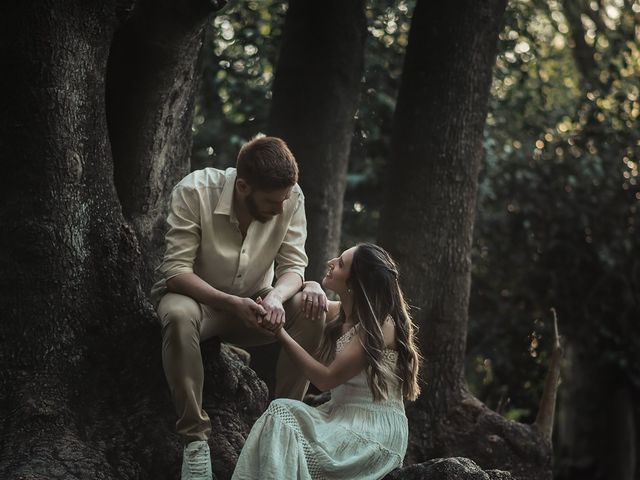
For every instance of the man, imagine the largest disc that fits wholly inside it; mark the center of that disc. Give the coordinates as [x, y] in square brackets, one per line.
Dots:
[226, 231]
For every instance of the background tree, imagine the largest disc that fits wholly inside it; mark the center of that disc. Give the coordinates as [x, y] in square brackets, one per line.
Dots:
[82, 393]
[315, 97]
[427, 224]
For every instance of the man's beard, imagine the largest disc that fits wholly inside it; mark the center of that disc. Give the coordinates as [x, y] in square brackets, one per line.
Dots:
[252, 208]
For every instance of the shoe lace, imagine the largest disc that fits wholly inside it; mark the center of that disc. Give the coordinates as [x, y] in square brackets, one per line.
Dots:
[197, 462]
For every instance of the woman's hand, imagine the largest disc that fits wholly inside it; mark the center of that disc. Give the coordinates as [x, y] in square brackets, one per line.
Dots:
[270, 327]
[314, 300]
[275, 315]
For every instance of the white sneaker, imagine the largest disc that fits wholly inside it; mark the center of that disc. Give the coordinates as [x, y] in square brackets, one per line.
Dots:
[196, 461]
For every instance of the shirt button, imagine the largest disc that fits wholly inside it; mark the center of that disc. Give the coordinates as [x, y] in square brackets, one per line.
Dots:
[244, 250]
[239, 276]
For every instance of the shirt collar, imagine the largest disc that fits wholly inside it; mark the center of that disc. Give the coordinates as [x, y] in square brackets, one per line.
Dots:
[225, 202]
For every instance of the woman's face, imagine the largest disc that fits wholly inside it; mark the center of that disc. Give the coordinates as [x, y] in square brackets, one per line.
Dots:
[339, 270]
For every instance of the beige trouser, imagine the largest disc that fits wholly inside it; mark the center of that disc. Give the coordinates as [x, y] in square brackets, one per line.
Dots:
[186, 323]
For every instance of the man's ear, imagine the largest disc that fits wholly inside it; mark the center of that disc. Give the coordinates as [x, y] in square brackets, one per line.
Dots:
[243, 187]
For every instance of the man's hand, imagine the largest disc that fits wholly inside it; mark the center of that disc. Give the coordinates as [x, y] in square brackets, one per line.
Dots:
[314, 300]
[275, 316]
[249, 311]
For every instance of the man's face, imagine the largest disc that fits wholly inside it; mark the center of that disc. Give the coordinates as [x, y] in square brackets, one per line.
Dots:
[264, 205]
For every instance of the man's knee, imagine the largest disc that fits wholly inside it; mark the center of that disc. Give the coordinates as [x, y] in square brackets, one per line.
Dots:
[295, 309]
[306, 331]
[294, 305]
[316, 328]
[179, 314]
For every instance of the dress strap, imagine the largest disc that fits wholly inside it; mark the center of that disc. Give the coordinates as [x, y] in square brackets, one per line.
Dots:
[345, 338]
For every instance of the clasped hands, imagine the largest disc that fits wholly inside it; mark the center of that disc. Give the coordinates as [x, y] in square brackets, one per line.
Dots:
[274, 317]
[268, 313]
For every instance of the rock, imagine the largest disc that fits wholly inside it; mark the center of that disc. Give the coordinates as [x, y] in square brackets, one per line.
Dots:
[234, 397]
[113, 417]
[317, 400]
[455, 468]
[499, 475]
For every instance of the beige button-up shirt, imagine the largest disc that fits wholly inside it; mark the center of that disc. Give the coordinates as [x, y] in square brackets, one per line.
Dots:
[204, 237]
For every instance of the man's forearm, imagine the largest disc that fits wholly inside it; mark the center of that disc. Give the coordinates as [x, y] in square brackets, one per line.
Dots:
[191, 285]
[287, 286]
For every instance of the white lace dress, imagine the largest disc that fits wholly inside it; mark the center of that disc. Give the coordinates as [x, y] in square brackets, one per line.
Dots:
[349, 437]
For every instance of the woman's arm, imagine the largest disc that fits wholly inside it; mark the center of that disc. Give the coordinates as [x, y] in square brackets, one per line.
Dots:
[348, 363]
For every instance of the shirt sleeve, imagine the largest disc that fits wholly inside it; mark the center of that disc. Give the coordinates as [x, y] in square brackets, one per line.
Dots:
[291, 256]
[183, 237]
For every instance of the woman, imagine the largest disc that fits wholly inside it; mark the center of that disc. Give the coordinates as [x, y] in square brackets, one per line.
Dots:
[369, 362]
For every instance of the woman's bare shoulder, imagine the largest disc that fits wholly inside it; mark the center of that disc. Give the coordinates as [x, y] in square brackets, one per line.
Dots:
[389, 332]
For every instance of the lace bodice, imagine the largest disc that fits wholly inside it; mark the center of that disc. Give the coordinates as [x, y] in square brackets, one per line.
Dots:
[356, 390]
[388, 354]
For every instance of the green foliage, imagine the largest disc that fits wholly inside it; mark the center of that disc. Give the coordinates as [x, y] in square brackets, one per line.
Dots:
[559, 204]
[239, 59]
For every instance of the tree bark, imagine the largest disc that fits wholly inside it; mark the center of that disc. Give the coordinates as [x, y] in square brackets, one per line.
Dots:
[596, 434]
[315, 97]
[427, 225]
[545, 418]
[82, 393]
[152, 76]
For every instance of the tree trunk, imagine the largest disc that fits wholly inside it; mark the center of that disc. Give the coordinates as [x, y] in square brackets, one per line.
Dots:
[596, 434]
[82, 393]
[315, 97]
[427, 225]
[152, 77]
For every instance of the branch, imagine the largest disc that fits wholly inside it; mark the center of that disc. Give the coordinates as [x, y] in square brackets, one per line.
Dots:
[596, 17]
[547, 408]
[583, 53]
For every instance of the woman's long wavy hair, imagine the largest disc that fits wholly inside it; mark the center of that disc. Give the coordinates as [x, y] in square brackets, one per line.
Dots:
[376, 296]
